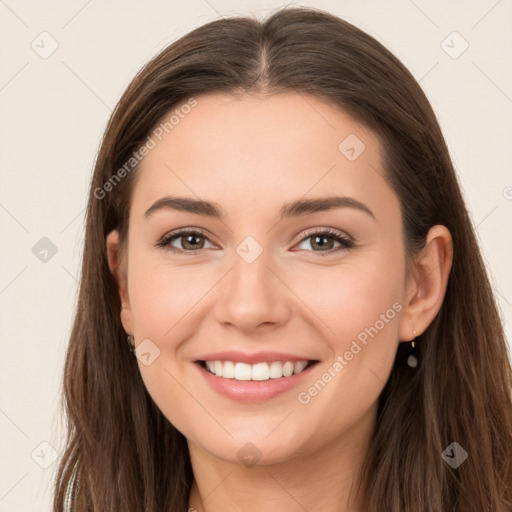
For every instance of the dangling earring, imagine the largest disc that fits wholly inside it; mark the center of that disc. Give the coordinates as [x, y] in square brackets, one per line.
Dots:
[412, 360]
[131, 341]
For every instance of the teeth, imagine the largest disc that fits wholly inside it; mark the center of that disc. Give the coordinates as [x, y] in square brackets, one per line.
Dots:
[242, 371]
[288, 369]
[299, 366]
[218, 368]
[258, 371]
[228, 370]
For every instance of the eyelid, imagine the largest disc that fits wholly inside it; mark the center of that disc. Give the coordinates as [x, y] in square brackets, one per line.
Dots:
[165, 240]
[325, 230]
[346, 241]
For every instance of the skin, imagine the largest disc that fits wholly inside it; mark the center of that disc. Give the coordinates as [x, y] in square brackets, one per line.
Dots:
[250, 155]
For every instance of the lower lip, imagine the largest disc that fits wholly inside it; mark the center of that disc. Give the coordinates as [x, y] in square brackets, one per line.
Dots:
[250, 390]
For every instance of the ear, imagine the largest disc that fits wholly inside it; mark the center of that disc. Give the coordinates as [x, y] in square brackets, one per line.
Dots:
[426, 283]
[118, 266]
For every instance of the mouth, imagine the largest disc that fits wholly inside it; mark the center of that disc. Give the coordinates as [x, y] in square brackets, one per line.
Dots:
[254, 383]
[255, 372]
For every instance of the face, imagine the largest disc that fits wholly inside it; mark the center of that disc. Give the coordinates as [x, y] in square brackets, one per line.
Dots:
[265, 282]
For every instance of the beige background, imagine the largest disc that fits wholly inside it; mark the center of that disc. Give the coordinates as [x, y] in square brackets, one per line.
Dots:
[54, 108]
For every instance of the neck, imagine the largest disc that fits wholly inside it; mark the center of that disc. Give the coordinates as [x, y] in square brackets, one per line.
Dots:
[325, 479]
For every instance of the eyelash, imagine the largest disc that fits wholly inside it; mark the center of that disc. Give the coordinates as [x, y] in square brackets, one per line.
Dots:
[346, 243]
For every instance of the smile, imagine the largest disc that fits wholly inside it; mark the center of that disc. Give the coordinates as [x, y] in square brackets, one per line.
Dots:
[256, 372]
[254, 383]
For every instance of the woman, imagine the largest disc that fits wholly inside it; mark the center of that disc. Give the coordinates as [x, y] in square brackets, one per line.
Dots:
[276, 229]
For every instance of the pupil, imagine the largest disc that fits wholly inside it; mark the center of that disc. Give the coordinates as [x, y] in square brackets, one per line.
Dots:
[321, 238]
[190, 239]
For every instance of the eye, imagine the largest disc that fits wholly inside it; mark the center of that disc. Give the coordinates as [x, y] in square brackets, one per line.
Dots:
[188, 239]
[320, 239]
[193, 241]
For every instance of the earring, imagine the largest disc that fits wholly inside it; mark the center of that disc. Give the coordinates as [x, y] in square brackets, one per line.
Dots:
[412, 360]
[131, 341]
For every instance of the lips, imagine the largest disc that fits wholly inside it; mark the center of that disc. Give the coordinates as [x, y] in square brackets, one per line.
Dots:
[253, 377]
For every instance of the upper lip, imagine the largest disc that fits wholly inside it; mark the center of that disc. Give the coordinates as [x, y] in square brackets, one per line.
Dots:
[255, 357]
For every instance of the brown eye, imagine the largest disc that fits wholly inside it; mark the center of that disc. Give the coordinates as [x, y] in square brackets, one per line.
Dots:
[186, 240]
[323, 241]
[191, 242]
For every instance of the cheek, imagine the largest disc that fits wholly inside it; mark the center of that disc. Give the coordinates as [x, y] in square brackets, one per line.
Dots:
[162, 301]
[351, 298]
[162, 296]
[358, 309]
[358, 315]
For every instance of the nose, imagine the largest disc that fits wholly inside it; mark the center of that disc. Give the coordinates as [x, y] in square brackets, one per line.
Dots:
[253, 295]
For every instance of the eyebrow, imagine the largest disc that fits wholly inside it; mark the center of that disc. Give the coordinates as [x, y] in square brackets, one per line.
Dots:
[296, 208]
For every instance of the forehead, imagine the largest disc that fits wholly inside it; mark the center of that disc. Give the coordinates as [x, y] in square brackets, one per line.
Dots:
[257, 150]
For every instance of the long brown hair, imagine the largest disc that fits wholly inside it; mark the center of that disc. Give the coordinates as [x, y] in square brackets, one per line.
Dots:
[122, 454]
